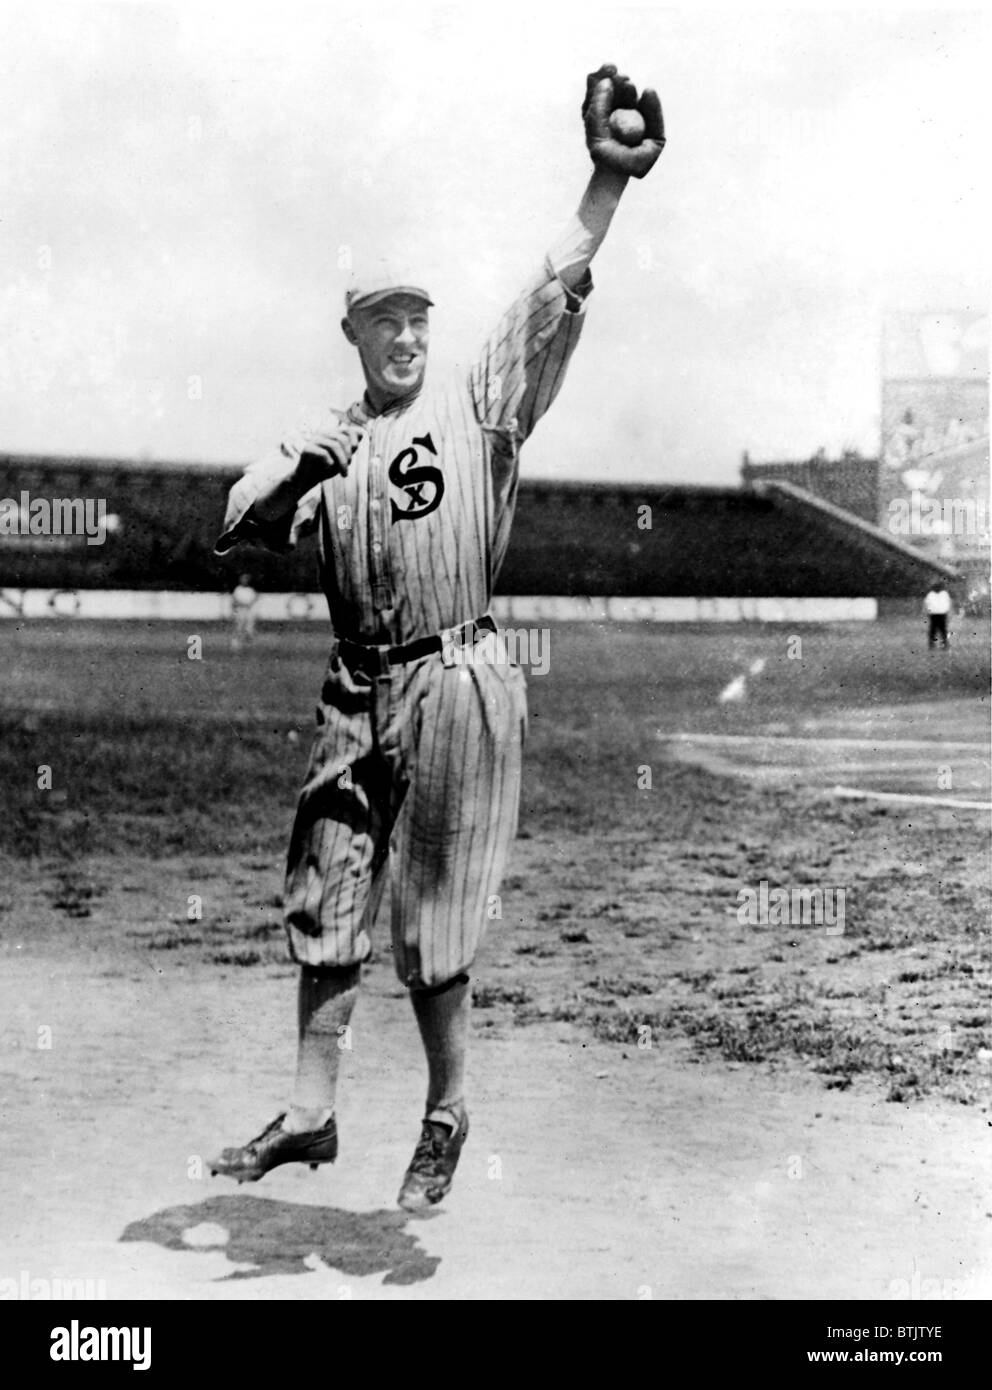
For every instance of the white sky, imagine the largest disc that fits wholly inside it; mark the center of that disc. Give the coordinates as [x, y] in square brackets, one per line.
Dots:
[175, 185]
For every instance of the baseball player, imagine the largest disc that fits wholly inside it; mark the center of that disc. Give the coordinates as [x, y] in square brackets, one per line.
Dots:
[414, 774]
[244, 601]
[937, 605]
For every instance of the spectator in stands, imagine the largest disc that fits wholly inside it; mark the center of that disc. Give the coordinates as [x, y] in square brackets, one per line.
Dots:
[937, 607]
[244, 601]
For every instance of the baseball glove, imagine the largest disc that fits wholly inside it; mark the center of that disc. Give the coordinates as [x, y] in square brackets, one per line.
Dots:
[608, 91]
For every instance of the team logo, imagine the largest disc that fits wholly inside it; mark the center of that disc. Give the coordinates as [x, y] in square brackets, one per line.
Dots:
[422, 483]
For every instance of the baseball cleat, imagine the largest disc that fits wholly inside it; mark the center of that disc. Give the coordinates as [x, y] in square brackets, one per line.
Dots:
[275, 1146]
[433, 1165]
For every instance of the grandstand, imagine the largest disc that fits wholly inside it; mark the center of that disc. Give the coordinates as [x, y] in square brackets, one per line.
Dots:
[850, 482]
[956, 479]
[770, 539]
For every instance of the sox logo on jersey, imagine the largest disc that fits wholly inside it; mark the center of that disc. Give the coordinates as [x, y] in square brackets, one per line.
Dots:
[405, 473]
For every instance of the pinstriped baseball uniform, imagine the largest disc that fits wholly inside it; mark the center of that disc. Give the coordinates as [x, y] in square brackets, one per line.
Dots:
[418, 773]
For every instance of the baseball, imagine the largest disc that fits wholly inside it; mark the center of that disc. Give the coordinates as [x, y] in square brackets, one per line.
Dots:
[627, 126]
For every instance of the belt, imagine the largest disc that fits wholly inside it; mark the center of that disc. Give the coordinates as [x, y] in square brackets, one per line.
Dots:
[376, 661]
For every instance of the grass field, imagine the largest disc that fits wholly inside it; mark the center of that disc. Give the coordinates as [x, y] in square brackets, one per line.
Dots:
[620, 912]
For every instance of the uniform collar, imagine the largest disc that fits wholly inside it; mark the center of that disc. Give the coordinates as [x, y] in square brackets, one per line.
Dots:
[361, 411]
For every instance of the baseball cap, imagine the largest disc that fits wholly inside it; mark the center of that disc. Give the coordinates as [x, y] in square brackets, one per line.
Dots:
[379, 281]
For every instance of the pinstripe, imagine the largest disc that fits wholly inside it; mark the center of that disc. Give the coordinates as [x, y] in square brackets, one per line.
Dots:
[463, 761]
[420, 845]
[450, 548]
[415, 900]
[429, 831]
[471, 851]
[498, 804]
[473, 498]
[506, 337]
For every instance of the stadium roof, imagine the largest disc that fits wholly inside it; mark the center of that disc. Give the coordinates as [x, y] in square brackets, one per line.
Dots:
[853, 527]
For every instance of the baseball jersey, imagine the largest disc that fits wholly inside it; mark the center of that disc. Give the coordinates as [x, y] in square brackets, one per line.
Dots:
[243, 597]
[937, 603]
[412, 538]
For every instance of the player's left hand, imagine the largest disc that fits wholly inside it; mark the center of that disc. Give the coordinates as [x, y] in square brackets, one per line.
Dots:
[608, 91]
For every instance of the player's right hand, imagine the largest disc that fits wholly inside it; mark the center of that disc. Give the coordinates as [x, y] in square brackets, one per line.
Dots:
[276, 484]
[326, 453]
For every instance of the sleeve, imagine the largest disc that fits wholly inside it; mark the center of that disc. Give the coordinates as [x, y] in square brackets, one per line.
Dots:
[520, 369]
[240, 524]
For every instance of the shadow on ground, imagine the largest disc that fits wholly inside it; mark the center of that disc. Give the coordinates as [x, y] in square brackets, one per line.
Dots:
[275, 1237]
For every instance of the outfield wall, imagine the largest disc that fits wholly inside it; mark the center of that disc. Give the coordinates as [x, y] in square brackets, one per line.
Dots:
[141, 605]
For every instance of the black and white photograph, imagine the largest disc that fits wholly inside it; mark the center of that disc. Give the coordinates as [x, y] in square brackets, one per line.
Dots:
[494, 602]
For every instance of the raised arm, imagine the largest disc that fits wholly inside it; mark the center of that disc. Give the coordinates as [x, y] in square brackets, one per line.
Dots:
[625, 134]
[571, 255]
[520, 369]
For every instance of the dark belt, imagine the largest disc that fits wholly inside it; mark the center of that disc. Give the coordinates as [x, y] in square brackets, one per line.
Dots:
[376, 661]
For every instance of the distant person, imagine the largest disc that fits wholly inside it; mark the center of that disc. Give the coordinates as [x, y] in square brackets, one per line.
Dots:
[977, 600]
[937, 606]
[244, 602]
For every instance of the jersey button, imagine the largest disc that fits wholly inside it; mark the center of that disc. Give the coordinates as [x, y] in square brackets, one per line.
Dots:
[376, 546]
[376, 504]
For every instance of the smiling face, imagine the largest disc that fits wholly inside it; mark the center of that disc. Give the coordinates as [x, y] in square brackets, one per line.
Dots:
[391, 336]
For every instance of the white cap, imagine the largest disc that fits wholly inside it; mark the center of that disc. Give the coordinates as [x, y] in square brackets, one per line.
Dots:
[380, 280]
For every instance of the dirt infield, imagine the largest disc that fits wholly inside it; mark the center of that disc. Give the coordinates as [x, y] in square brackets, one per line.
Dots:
[667, 1101]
